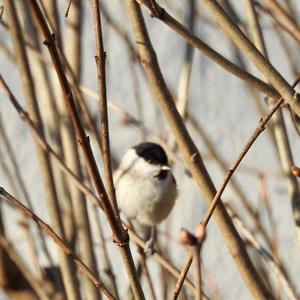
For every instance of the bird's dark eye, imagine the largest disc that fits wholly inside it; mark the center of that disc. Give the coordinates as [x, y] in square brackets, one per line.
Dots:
[149, 160]
[162, 175]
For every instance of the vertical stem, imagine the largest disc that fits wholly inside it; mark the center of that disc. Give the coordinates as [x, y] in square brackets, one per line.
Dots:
[147, 274]
[254, 27]
[106, 264]
[197, 272]
[185, 76]
[100, 62]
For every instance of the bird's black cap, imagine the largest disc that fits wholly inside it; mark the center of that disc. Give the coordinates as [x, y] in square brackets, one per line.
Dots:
[152, 153]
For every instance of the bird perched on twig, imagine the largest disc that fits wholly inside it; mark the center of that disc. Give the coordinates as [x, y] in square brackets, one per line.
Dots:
[145, 186]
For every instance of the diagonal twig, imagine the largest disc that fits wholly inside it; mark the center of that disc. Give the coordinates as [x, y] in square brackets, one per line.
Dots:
[29, 214]
[246, 148]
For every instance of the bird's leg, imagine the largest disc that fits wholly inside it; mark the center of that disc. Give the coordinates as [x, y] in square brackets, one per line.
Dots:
[150, 242]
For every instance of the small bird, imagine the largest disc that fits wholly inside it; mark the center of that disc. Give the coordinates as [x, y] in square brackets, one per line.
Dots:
[145, 186]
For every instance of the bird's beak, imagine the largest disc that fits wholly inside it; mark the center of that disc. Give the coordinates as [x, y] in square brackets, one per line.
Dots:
[165, 168]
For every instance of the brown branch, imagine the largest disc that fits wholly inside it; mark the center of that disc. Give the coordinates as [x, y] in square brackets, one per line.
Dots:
[182, 276]
[234, 184]
[241, 40]
[254, 27]
[190, 151]
[104, 257]
[254, 136]
[266, 199]
[44, 145]
[101, 70]
[147, 275]
[195, 242]
[197, 272]
[208, 51]
[285, 19]
[83, 139]
[49, 231]
[119, 234]
[90, 124]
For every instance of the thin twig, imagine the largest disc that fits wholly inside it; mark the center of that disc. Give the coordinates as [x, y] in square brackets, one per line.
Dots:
[266, 200]
[49, 231]
[234, 184]
[260, 128]
[107, 266]
[83, 106]
[147, 275]
[68, 8]
[50, 43]
[45, 146]
[209, 52]
[101, 70]
[263, 65]
[182, 276]
[185, 75]
[197, 272]
[285, 19]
